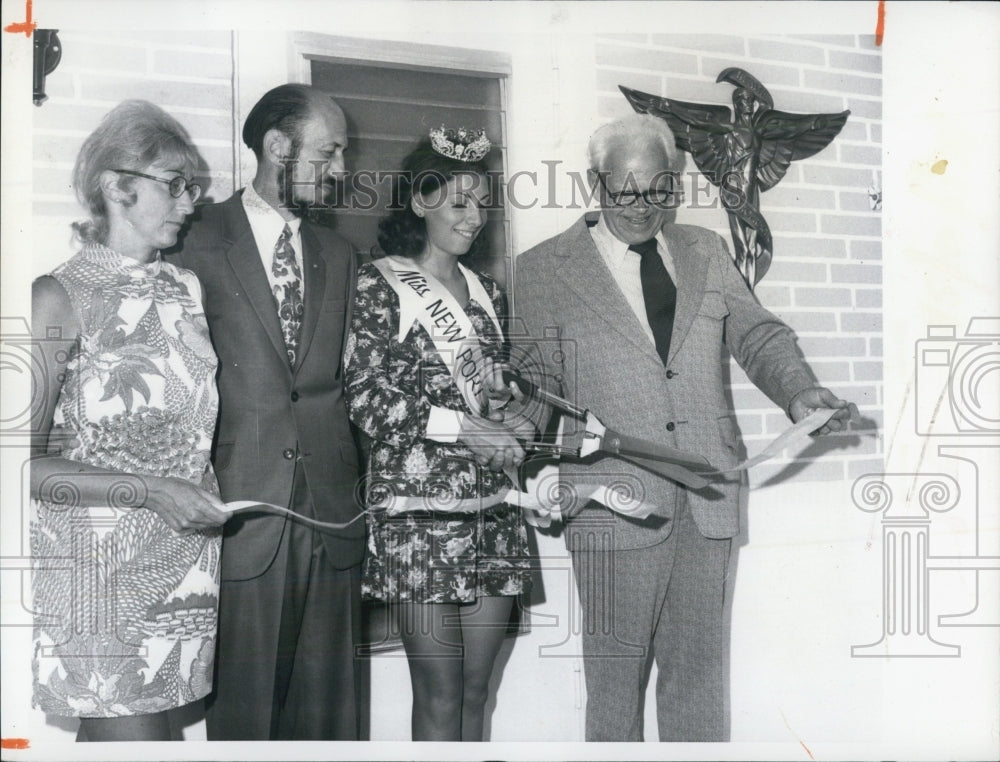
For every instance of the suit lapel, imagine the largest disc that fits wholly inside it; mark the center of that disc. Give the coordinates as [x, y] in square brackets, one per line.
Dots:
[314, 275]
[692, 270]
[243, 257]
[584, 271]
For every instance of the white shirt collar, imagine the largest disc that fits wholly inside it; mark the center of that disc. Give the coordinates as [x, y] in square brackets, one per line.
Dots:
[264, 217]
[615, 250]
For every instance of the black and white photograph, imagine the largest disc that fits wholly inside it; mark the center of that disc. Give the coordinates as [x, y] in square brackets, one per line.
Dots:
[500, 380]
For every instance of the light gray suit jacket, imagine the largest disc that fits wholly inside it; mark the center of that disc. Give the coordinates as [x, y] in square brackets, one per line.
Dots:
[588, 345]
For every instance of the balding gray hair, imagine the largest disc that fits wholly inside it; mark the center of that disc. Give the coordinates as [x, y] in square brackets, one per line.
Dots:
[632, 130]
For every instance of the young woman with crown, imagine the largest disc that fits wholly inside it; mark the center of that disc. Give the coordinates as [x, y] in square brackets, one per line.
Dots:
[423, 382]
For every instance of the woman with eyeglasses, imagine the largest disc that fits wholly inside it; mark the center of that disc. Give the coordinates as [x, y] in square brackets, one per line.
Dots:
[125, 527]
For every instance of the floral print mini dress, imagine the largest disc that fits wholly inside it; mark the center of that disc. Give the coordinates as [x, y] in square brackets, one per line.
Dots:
[425, 556]
[125, 608]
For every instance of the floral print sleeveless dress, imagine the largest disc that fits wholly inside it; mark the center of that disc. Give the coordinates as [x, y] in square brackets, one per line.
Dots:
[125, 608]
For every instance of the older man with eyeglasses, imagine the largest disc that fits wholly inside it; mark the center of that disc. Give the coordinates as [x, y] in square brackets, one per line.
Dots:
[630, 313]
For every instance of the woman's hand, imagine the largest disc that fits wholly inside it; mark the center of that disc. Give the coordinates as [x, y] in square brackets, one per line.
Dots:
[498, 394]
[185, 507]
[507, 403]
[492, 442]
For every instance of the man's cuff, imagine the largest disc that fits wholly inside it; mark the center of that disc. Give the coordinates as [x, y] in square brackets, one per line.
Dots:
[444, 424]
[791, 400]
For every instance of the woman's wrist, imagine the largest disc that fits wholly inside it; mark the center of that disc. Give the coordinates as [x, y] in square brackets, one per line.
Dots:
[445, 425]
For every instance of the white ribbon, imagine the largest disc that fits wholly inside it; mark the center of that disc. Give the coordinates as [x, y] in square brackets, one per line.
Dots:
[542, 503]
[793, 435]
[245, 505]
[539, 506]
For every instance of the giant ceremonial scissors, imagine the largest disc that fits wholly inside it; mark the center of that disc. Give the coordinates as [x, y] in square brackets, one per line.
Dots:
[672, 463]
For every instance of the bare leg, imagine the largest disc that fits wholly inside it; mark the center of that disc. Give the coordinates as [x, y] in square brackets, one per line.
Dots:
[432, 636]
[484, 625]
[140, 727]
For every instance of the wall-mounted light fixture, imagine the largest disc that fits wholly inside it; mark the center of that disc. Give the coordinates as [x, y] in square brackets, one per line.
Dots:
[48, 53]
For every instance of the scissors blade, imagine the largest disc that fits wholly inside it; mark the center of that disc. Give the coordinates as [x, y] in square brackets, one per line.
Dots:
[632, 447]
[672, 471]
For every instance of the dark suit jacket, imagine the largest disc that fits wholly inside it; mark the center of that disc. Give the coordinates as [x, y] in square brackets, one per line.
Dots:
[593, 350]
[272, 415]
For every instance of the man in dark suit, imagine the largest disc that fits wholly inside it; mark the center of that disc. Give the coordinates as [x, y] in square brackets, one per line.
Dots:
[278, 289]
[633, 312]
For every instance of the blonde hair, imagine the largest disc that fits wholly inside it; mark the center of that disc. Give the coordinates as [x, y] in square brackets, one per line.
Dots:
[133, 135]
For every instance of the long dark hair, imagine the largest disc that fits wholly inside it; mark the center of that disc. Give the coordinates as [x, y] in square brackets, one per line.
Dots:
[402, 233]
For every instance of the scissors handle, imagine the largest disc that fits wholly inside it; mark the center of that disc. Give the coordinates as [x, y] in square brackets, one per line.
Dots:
[532, 390]
[551, 448]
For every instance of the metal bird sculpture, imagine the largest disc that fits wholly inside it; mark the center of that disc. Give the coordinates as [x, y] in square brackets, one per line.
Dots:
[743, 155]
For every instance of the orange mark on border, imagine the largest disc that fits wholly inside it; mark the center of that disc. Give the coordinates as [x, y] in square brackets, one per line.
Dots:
[801, 742]
[880, 23]
[27, 26]
[14, 743]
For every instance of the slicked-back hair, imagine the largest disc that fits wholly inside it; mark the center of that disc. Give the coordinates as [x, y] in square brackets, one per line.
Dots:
[134, 135]
[285, 108]
[402, 233]
[634, 129]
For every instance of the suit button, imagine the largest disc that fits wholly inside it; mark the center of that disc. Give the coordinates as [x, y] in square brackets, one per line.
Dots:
[670, 426]
[288, 453]
[670, 374]
[295, 396]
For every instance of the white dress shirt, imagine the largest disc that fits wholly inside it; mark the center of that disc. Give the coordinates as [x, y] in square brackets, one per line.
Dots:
[266, 225]
[624, 267]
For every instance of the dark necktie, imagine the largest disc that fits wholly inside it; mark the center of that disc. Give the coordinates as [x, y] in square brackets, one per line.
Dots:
[659, 294]
[288, 292]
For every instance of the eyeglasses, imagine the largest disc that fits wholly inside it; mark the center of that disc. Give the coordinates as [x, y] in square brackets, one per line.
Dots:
[176, 186]
[652, 197]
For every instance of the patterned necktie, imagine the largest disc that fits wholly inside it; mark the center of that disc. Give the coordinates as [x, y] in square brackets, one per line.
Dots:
[287, 290]
[659, 293]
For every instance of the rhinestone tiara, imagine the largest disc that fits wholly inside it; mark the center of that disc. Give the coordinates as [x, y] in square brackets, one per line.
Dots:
[461, 144]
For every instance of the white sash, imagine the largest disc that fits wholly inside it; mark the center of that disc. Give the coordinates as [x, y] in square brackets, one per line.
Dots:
[424, 300]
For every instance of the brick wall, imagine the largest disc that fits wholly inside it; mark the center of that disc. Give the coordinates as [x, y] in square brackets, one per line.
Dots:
[190, 74]
[826, 277]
